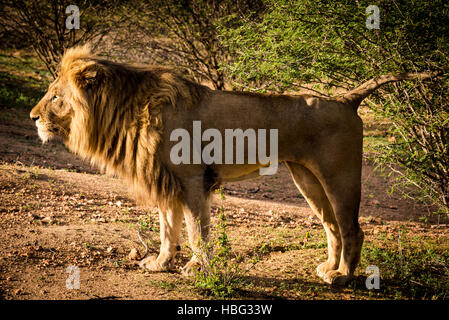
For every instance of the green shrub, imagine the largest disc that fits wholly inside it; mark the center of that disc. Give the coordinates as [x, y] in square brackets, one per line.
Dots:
[417, 273]
[218, 276]
[327, 44]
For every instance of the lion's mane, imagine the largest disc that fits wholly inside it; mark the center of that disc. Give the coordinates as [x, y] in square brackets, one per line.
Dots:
[118, 123]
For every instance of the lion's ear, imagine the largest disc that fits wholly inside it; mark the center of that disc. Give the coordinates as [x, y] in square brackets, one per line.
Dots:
[87, 75]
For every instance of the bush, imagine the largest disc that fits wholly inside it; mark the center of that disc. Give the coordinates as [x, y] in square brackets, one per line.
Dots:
[218, 276]
[328, 44]
[184, 33]
[41, 24]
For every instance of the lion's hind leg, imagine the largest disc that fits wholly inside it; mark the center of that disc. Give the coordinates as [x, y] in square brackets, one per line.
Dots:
[342, 186]
[315, 196]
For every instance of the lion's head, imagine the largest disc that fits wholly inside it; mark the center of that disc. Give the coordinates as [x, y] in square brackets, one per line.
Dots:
[110, 113]
[68, 96]
[52, 115]
[54, 112]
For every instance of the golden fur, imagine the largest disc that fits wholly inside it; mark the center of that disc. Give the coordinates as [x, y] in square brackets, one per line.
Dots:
[120, 117]
[114, 126]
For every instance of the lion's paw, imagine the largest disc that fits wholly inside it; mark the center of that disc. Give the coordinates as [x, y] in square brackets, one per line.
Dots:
[151, 264]
[336, 278]
[324, 268]
[191, 268]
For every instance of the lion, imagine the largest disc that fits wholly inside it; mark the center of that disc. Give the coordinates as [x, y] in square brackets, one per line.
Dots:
[121, 116]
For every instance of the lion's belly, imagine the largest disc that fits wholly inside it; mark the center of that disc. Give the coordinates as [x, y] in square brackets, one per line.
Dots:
[236, 172]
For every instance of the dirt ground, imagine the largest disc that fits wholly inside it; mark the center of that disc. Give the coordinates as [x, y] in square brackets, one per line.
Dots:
[57, 211]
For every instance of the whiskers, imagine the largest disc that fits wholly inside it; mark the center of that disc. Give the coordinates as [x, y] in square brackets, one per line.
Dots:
[51, 131]
[60, 130]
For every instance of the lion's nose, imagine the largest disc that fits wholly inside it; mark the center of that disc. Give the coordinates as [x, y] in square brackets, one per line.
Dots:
[35, 118]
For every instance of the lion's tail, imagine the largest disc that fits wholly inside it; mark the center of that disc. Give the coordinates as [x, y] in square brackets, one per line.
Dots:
[356, 96]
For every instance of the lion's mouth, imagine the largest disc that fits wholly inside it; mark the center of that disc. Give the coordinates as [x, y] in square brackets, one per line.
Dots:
[44, 135]
[44, 132]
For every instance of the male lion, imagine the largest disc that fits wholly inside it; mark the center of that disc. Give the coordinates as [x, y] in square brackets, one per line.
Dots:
[121, 116]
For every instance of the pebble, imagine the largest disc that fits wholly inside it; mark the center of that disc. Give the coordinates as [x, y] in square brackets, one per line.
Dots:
[47, 220]
[134, 254]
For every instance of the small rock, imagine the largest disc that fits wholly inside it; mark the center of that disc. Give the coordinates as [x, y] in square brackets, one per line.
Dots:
[134, 254]
[34, 216]
[110, 250]
[18, 291]
[47, 220]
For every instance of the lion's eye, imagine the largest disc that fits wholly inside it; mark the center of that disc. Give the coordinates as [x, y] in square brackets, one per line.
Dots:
[54, 99]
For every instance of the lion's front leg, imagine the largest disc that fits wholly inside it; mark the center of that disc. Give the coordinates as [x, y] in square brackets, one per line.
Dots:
[170, 225]
[198, 233]
[197, 216]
